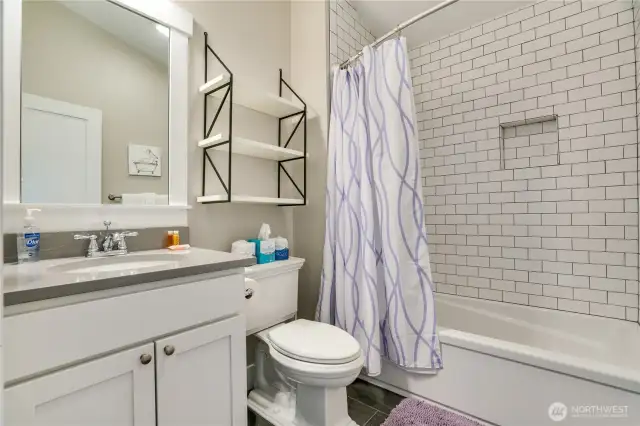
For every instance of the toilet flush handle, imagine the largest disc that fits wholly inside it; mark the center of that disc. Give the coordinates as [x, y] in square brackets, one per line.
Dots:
[249, 291]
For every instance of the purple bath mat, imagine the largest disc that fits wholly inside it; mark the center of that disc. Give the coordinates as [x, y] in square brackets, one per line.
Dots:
[412, 412]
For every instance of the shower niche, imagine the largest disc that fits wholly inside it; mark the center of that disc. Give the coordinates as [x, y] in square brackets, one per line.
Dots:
[529, 143]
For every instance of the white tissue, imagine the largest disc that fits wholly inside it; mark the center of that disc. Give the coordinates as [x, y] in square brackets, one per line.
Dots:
[265, 232]
[281, 243]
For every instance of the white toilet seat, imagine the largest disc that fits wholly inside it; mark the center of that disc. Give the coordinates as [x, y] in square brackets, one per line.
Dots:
[315, 370]
[314, 342]
[311, 365]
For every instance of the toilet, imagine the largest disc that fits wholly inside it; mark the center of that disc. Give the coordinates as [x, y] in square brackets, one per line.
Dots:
[302, 368]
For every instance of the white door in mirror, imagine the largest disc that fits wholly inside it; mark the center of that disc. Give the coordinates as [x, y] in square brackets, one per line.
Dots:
[61, 152]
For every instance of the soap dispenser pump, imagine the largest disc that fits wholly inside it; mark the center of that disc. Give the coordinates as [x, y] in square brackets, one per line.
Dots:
[29, 239]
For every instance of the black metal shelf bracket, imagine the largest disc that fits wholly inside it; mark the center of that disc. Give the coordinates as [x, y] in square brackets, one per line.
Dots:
[303, 119]
[228, 96]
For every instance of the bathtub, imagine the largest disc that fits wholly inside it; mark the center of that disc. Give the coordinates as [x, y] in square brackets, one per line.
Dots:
[511, 365]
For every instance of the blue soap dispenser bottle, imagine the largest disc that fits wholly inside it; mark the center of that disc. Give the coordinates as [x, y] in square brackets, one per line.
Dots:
[29, 239]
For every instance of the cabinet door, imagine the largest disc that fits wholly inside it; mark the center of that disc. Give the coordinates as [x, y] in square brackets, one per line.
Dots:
[201, 376]
[117, 390]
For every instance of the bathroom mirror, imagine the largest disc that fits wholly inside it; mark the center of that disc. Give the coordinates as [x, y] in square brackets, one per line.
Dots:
[95, 105]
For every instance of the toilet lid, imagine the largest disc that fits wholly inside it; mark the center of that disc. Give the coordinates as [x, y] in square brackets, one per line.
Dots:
[314, 342]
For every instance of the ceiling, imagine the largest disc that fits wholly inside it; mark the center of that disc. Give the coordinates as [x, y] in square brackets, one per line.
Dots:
[381, 16]
[137, 31]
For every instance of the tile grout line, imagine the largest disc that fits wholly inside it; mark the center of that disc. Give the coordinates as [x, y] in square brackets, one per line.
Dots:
[373, 408]
[375, 414]
[369, 419]
[376, 411]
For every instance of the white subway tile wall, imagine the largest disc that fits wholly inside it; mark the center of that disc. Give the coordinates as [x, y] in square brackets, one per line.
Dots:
[551, 219]
[347, 33]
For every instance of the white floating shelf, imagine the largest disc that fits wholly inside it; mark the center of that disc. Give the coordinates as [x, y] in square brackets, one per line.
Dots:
[253, 98]
[215, 82]
[252, 148]
[211, 141]
[249, 199]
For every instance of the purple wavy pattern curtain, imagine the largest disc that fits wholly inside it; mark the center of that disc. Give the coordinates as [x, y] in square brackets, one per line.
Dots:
[376, 280]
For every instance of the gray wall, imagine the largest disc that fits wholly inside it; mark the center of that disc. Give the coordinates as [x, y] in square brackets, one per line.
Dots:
[309, 65]
[66, 57]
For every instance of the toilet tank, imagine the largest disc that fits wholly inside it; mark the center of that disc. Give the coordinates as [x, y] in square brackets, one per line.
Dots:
[274, 293]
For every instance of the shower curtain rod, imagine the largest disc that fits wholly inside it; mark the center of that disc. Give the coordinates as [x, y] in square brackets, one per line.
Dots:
[401, 27]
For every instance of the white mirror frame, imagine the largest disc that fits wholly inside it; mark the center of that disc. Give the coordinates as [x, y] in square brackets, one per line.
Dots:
[60, 217]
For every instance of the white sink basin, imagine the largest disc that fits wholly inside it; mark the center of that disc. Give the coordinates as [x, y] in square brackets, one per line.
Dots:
[127, 263]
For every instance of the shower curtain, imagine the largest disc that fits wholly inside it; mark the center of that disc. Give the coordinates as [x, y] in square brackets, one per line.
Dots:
[376, 278]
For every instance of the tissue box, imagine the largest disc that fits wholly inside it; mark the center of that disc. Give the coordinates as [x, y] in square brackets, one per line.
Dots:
[282, 248]
[265, 250]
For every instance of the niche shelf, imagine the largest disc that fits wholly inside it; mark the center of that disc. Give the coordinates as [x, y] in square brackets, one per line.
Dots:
[244, 93]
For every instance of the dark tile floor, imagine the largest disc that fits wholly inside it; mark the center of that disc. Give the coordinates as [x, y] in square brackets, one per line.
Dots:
[369, 405]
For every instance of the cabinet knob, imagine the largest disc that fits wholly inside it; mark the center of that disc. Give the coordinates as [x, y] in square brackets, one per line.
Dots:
[169, 350]
[145, 359]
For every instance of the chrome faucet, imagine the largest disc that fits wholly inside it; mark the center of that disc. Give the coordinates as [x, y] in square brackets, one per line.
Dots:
[107, 242]
[113, 244]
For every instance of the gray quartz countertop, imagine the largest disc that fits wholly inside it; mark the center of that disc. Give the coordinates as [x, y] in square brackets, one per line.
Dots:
[49, 279]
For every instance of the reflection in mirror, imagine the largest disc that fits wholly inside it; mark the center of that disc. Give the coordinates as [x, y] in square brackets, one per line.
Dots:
[95, 105]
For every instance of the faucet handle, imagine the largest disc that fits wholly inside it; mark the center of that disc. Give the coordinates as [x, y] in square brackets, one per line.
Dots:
[93, 243]
[120, 238]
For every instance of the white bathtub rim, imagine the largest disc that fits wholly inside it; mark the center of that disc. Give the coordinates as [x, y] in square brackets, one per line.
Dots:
[595, 371]
[450, 299]
[487, 308]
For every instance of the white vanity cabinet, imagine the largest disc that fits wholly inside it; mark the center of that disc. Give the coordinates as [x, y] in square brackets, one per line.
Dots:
[201, 376]
[171, 355]
[115, 390]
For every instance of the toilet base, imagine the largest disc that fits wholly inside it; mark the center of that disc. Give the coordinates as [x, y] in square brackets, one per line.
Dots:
[308, 406]
[264, 406]
[280, 398]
